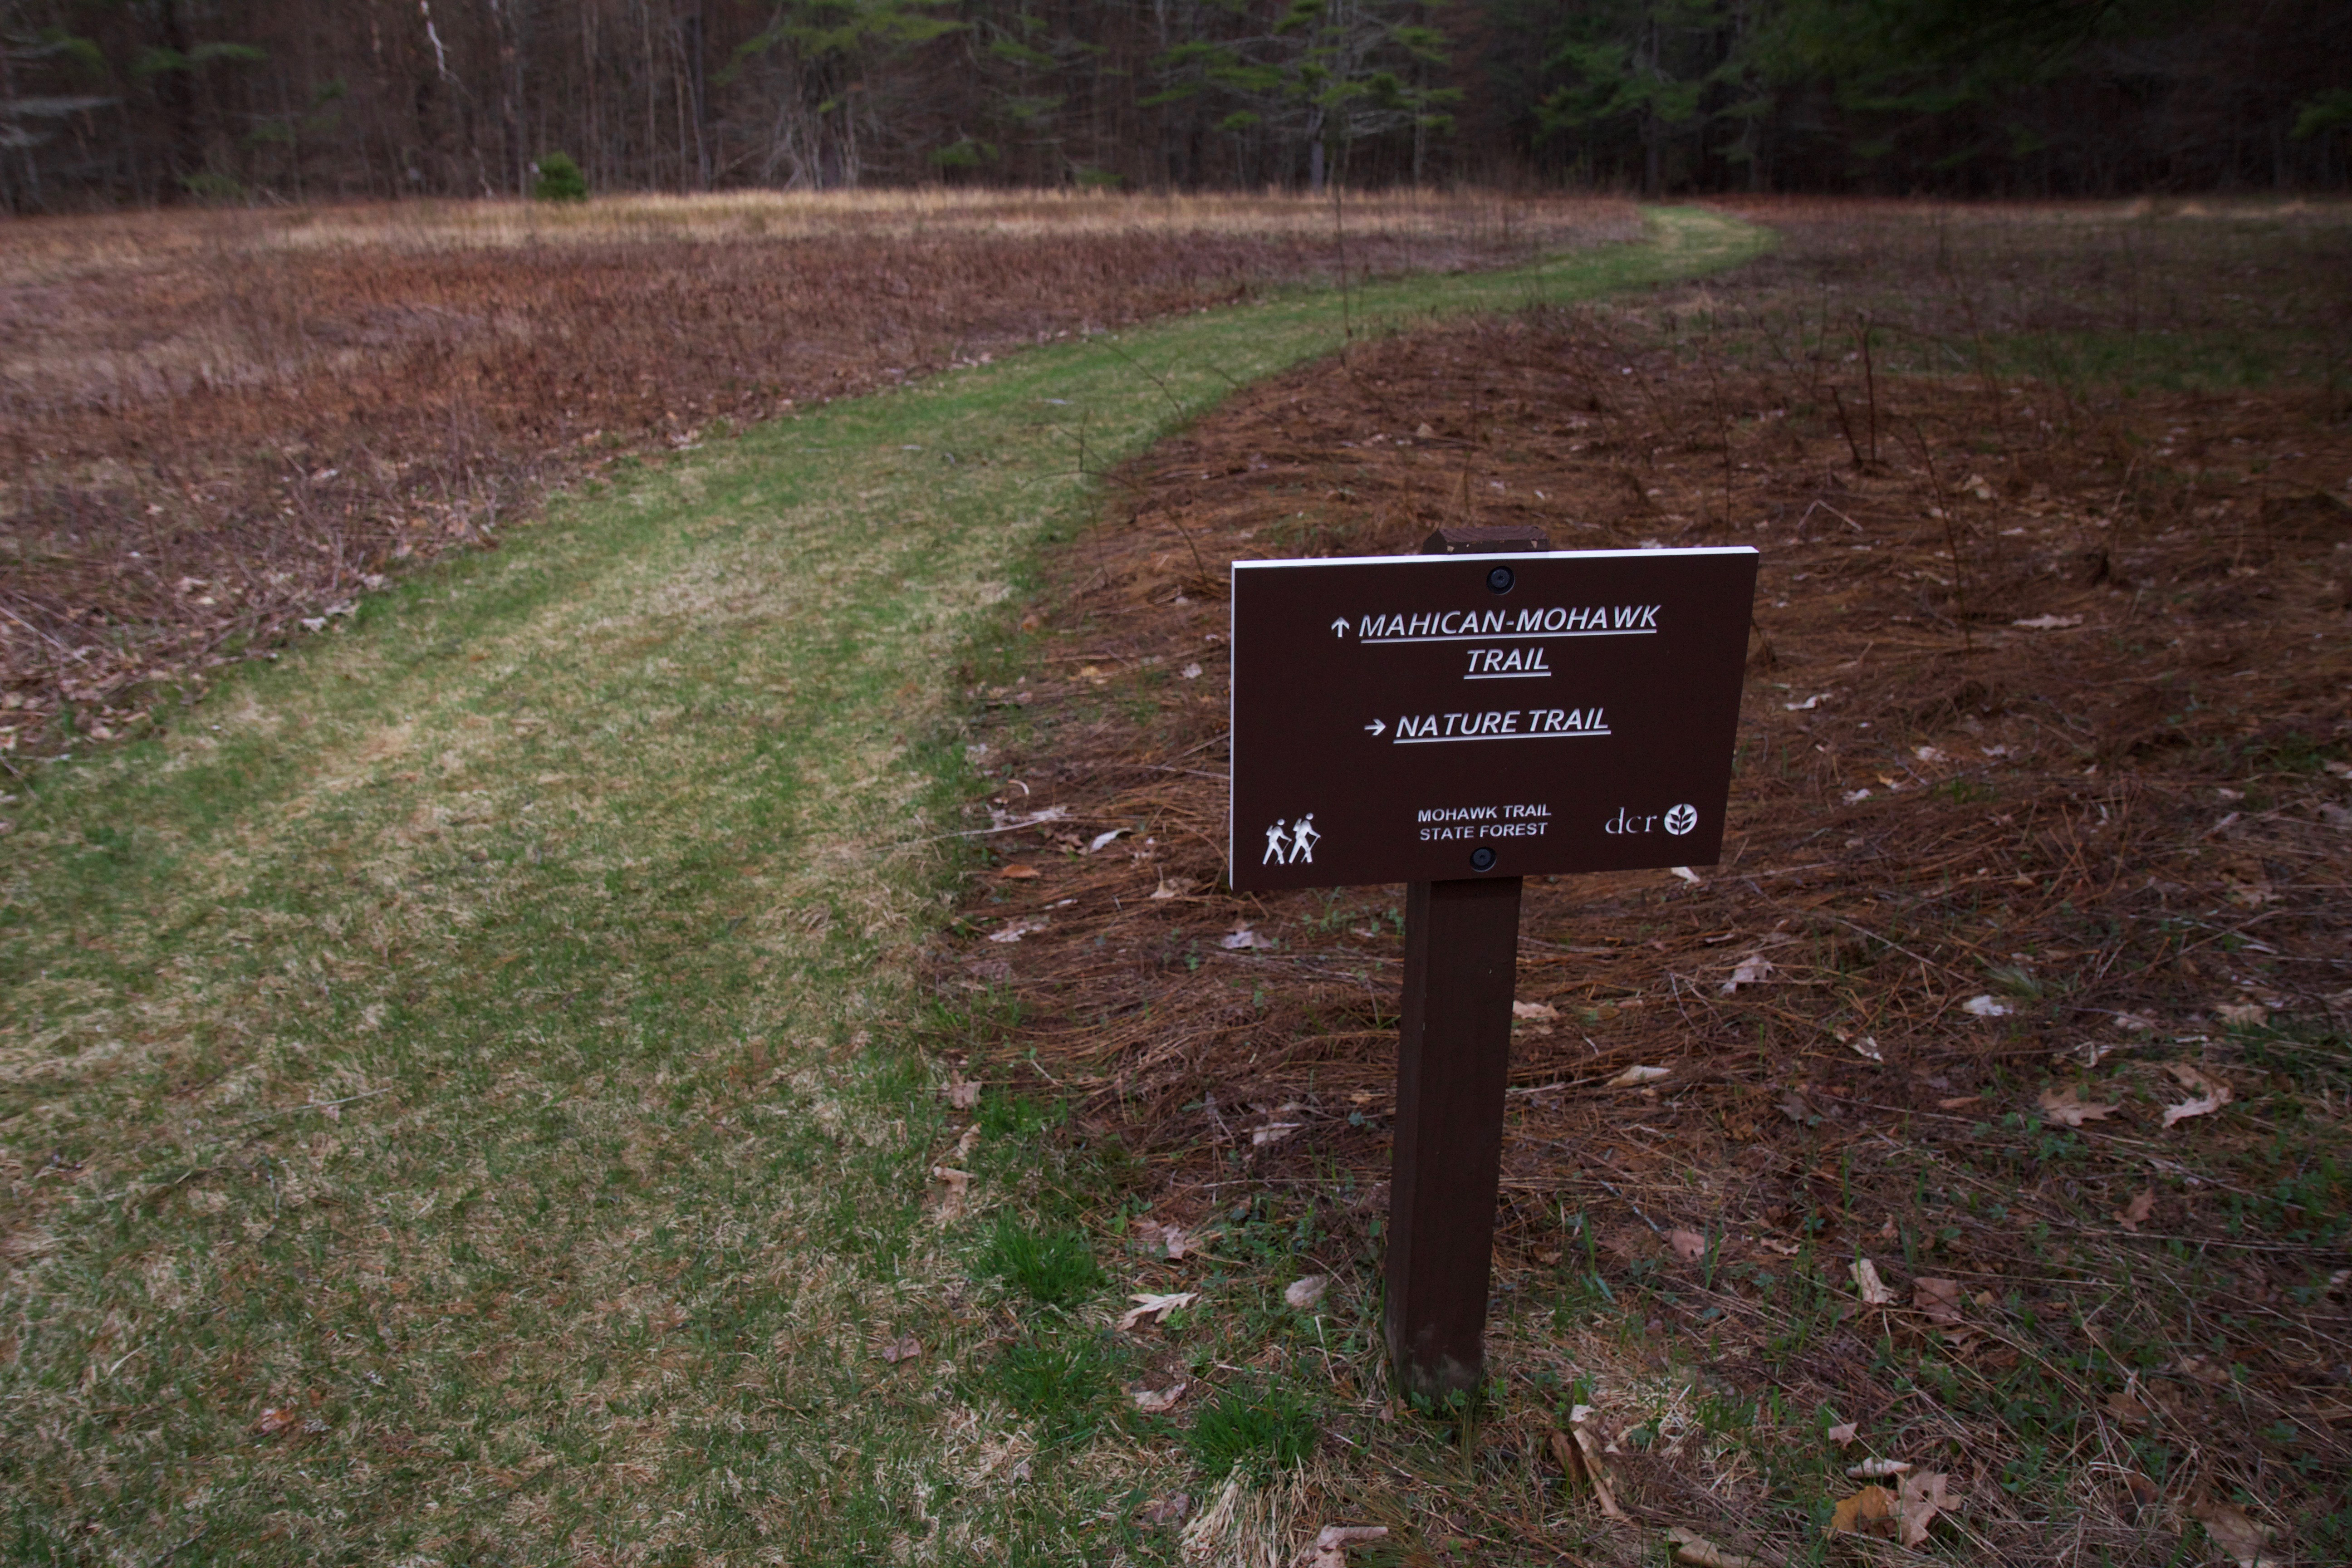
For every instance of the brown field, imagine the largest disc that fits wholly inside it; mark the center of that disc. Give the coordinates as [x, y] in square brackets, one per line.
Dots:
[216, 425]
[2042, 816]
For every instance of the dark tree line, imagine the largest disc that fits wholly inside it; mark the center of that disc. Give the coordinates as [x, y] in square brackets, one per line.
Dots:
[159, 100]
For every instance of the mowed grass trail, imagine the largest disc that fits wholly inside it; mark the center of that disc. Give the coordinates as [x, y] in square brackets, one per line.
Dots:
[457, 1091]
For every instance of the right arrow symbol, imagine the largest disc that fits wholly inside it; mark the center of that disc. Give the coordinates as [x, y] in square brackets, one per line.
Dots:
[1377, 728]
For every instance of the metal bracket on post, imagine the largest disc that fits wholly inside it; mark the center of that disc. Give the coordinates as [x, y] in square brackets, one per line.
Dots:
[1461, 971]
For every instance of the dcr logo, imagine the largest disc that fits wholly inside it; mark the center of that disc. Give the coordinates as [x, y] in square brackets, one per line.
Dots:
[1677, 820]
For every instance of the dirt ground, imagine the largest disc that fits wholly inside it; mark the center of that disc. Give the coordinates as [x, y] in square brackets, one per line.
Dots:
[2024, 977]
[218, 429]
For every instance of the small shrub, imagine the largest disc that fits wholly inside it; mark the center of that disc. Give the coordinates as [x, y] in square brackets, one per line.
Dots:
[1055, 1268]
[560, 179]
[1262, 1430]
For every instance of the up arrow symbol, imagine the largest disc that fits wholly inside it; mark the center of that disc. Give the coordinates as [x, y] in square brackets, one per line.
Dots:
[1377, 728]
[1339, 628]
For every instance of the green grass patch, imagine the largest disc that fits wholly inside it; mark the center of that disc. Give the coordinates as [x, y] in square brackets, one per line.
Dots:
[1259, 1429]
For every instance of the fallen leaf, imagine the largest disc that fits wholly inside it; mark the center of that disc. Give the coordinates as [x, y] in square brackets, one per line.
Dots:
[1155, 1401]
[1578, 1453]
[2233, 1533]
[2242, 1015]
[2049, 622]
[1877, 1469]
[1985, 1007]
[2187, 1108]
[1016, 872]
[277, 1419]
[1866, 1047]
[1155, 1308]
[2063, 1107]
[2126, 1409]
[1242, 940]
[1808, 704]
[1841, 1434]
[1635, 1075]
[1100, 839]
[1272, 1132]
[2136, 1213]
[906, 1347]
[2144, 1491]
[1687, 875]
[1856, 796]
[1172, 888]
[2212, 1373]
[968, 1143]
[1176, 1242]
[1752, 969]
[1939, 1299]
[1422, 431]
[1190, 672]
[2212, 1093]
[963, 1093]
[1698, 1551]
[1013, 931]
[1331, 1544]
[1168, 1510]
[1958, 1100]
[1870, 1511]
[1304, 1294]
[2196, 1079]
[1919, 1500]
[1873, 1291]
[1543, 1012]
[1688, 1245]
[1927, 753]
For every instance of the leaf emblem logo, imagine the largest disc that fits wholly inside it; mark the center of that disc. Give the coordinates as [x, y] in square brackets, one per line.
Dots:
[1682, 819]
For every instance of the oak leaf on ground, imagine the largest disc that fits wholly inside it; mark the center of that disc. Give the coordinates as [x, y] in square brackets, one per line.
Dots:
[1921, 1498]
[1870, 1511]
[2067, 1109]
[1697, 1551]
[2235, 1533]
[1873, 1290]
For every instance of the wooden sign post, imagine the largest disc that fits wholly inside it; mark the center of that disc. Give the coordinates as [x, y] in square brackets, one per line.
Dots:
[1459, 720]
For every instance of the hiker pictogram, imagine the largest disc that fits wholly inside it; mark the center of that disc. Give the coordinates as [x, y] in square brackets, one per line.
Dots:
[1292, 844]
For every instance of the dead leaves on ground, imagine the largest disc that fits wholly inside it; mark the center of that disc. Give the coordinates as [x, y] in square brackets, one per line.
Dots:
[1331, 1543]
[2235, 1533]
[2067, 1110]
[1157, 1401]
[1872, 1289]
[1578, 1451]
[2135, 1214]
[1154, 1307]
[1696, 1551]
[2212, 1093]
[1904, 1514]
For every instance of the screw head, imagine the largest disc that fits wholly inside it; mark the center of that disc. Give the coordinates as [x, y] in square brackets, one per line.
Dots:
[1500, 579]
[1481, 859]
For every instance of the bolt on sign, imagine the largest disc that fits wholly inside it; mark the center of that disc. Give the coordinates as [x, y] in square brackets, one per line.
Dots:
[1402, 719]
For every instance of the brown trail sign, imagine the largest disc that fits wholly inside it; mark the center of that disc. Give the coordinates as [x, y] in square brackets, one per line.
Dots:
[1458, 721]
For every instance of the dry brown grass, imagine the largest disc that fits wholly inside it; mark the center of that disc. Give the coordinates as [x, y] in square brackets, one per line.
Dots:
[214, 426]
[2128, 828]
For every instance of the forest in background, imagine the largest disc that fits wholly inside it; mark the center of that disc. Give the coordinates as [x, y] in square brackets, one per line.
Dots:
[112, 102]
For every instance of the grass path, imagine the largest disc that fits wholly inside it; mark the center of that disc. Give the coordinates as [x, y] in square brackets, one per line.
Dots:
[455, 1091]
